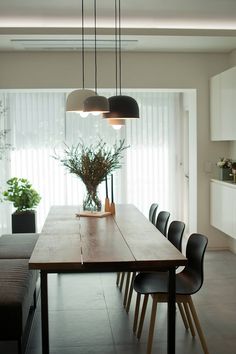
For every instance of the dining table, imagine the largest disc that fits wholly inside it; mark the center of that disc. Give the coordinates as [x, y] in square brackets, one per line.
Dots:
[123, 242]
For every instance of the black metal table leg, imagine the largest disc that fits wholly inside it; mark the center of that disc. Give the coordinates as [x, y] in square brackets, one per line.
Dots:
[171, 312]
[44, 312]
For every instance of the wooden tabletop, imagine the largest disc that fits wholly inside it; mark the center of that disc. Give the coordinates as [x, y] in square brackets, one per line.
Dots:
[125, 241]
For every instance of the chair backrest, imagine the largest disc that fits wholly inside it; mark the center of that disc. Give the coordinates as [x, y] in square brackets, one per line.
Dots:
[162, 221]
[195, 252]
[175, 233]
[152, 212]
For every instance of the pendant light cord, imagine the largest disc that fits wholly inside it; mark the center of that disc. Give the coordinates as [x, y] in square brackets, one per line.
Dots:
[82, 5]
[95, 44]
[116, 48]
[119, 26]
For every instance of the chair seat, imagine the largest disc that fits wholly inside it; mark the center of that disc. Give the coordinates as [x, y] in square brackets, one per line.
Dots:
[149, 283]
[188, 282]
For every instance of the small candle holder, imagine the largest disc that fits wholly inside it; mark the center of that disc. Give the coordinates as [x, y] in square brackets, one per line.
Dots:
[107, 201]
[112, 205]
[107, 204]
[112, 208]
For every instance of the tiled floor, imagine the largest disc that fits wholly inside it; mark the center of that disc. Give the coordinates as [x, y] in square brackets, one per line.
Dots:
[86, 315]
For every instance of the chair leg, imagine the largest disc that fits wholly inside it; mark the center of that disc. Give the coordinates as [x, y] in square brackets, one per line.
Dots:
[181, 310]
[126, 288]
[19, 346]
[122, 280]
[197, 324]
[130, 292]
[189, 319]
[140, 327]
[118, 278]
[136, 313]
[152, 324]
[35, 300]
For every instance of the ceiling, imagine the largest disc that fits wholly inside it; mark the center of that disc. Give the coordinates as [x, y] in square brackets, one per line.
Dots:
[150, 25]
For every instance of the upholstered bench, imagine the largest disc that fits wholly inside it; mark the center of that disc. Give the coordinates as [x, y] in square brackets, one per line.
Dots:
[17, 287]
[18, 246]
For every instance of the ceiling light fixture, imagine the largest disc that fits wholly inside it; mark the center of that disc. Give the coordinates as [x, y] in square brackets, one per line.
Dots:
[75, 100]
[116, 123]
[96, 104]
[121, 106]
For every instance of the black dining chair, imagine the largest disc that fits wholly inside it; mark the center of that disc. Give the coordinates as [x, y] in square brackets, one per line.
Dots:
[174, 235]
[153, 212]
[188, 282]
[121, 275]
[162, 221]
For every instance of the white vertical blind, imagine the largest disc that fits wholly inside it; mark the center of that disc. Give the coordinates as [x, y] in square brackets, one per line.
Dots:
[150, 171]
[153, 161]
[5, 139]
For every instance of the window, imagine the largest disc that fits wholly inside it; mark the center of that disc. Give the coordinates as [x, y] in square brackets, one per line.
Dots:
[151, 165]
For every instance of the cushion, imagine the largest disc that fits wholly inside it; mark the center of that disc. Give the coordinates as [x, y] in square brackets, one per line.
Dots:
[17, 285]
[17, 245]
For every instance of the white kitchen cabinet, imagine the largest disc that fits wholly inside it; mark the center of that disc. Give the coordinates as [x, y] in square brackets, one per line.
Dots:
[223, 206]
[223, 105]
[216, 129]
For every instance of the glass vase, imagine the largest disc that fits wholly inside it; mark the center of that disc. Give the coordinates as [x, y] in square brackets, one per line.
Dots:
[91, 201]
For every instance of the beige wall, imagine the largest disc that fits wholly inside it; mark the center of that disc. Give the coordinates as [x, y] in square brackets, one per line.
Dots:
[140, 70]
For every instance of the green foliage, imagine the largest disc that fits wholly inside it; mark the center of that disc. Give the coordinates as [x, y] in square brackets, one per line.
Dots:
[92, 163]
[21, 194]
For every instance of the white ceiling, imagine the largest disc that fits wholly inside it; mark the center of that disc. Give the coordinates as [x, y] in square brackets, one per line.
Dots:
[147, 25]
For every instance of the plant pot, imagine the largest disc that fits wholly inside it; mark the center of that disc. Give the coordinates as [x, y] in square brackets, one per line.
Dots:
[225, 174]
[24, 222]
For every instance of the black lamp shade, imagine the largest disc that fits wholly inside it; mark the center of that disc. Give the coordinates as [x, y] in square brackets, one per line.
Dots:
[122, 107]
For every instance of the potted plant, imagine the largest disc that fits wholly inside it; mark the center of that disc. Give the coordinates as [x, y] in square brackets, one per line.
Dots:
[24, 198]
[92, 164]
[225, 165]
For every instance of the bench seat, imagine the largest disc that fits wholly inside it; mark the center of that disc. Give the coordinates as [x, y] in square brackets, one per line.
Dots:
[17, 287]
[18, 246]
[16, 296]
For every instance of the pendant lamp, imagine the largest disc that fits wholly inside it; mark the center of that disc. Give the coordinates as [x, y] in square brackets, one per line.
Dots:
[75, 100]
[121, 106]
[116, 123]
[96, 104]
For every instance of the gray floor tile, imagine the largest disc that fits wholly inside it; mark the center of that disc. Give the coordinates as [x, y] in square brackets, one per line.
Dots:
[74, 328]
[87, 315]
[99, 349]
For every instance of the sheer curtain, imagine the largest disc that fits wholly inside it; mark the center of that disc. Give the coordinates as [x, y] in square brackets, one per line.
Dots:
[5, 149]
[154, 159]
[151, 165]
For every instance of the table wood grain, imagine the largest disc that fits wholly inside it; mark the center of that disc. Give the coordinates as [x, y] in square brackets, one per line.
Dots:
[124, 241]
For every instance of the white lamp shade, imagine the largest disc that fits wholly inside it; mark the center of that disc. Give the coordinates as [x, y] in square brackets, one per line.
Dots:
[75, 100]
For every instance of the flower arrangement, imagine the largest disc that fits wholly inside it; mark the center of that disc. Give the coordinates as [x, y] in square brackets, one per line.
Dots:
[224, 163]
[92, 164]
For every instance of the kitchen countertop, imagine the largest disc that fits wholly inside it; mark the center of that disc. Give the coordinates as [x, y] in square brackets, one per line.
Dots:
[225, 183]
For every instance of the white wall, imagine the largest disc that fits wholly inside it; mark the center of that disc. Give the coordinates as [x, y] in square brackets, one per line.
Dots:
[232, 144]
[139, 70]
